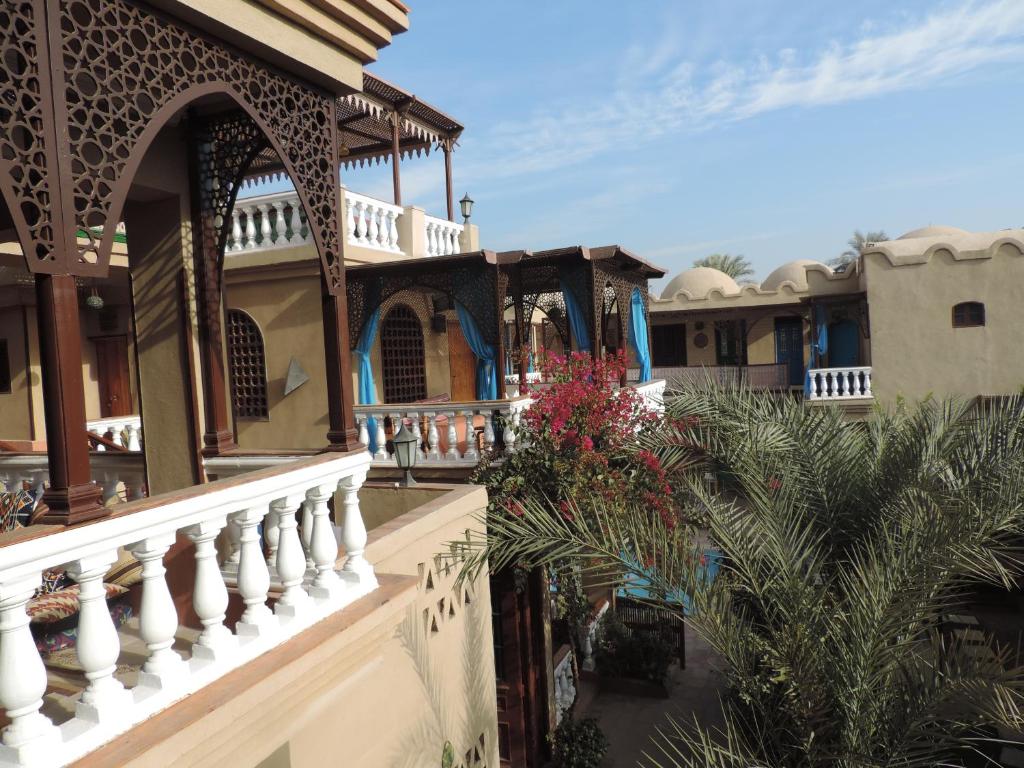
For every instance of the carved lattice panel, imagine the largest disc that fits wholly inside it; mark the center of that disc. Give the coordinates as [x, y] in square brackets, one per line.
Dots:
[248, 367]
[403, 356]
[126, 70]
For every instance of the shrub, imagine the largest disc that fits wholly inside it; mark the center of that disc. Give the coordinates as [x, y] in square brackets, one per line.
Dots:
[578, 744]
[622, 652]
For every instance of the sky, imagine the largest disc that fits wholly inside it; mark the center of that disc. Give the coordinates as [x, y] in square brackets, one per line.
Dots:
[679, 128]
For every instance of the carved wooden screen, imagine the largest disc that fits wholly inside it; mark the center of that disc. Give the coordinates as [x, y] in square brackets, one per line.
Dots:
[402, 355]
[247, 365]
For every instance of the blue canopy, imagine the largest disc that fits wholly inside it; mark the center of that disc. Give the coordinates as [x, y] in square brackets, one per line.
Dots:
[638, 334]
[577, 320]
[486, 378]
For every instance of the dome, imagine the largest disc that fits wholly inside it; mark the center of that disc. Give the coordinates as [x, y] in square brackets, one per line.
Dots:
[794, 272]
[699, 282]
[932, 231]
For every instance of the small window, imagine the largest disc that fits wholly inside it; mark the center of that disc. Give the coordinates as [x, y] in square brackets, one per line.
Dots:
[247, 366]
[968, 313]
[5, 368]
[668, 343]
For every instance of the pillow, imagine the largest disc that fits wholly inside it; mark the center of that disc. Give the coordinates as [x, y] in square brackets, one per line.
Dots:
[56, 606]
[54, 638]
[15, 509]
[54, 580]
[126, 572]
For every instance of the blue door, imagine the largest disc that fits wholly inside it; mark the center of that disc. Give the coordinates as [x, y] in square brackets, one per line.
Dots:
[789, 347]
[843, 344]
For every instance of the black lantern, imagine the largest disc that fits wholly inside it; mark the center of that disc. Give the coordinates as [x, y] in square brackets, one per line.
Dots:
[406, 447]
[466, 203]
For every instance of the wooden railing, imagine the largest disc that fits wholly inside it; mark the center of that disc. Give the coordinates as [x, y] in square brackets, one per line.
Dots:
[147, 529]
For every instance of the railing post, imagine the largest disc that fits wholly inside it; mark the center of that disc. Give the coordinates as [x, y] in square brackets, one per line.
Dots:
[291, 560]
[453, 437]
[433, 439]
[158, 620]
[97, 645]
[30, 736]
[323, 545]
[471, 453]
[210, 595]
[253, 576]
[353, 534]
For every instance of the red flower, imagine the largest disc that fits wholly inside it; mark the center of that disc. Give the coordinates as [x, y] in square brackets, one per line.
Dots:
[563, 507]
[774, 483]
[587, 444]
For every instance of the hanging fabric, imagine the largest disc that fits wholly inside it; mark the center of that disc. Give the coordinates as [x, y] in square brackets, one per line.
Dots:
[577, 320]
[486, 378]
[638, 334]
[363, 348]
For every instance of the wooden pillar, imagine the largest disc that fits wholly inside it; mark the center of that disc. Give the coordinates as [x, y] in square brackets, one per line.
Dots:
[499, 352]
[396, 155]
[72, 496]
[449, 192]
[342, 435]
[620, 343]
[520, 320]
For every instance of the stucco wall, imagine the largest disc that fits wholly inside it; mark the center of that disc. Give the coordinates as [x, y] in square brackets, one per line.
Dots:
[15, 406]
[915, 351]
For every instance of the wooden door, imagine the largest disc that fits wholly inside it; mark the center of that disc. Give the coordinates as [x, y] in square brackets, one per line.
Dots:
[461, 364]
[112, 373]
[789, 347]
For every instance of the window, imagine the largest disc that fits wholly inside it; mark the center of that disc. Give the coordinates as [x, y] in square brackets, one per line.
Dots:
[668, 345]
[247, 366]
[731, 342]
[5, 368]
[968, 313]
[401, 351]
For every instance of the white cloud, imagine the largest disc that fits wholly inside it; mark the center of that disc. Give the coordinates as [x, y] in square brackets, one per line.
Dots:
[661, 92]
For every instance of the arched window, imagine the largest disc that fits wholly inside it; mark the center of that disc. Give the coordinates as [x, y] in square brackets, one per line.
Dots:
[247, 366]
[402, 356]
[968, 313]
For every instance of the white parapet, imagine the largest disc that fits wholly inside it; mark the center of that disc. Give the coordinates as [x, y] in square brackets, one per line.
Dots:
[312, 589]
[840, 383]
[442, 236]
[372, 223]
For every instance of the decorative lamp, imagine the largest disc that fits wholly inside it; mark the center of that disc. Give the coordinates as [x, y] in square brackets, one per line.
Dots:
[466, 203]
[406, 448]
[94, 300]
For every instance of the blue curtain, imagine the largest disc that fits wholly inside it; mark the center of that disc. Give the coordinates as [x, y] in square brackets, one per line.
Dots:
[818, 349]
[638, 334]
[577, 320]
[367, 387]
[486, 378]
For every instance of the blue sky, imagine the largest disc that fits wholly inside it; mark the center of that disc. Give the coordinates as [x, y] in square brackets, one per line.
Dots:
[680, 128]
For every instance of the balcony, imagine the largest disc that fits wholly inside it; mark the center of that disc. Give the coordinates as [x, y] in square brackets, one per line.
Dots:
[281, 614]
[766, 377]
[840, 384]
[380, 229]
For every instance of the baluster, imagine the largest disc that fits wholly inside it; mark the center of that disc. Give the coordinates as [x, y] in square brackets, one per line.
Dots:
[234, 547]
[867, 383]
[295, 222]
[158, 621]
[350, 220]
[271, 535]
[415, 419]
[236, 230]
[209, 594]
[291, 560]
[431, 239]
[97, 646]
[253, 576]
[280, 233]
[23, 681]
[815, 384]
[472, 453]
[353, 534]
[489, 437]
[364, 433]
[133, 443]
[456, 242]
[323, 545]
[382, 439]
[508, 434]
[829, 385]
[110, 483]
[265, 231]
[250, 228]
[307, 534]
[433, 438]
[453, 437]
[393, 231]
[360, 223]
[135, 487]
[372, 229]
[449, 241]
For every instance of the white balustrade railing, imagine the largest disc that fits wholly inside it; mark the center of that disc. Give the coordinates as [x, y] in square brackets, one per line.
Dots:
[565, 684]
[126, 431]
[372, 223]
[532, 377]
[589, 637]
[653, 393]
[311, 589]
[437, 426]
[121, 475]
[268, 221]
[443, 236]
[839, 383]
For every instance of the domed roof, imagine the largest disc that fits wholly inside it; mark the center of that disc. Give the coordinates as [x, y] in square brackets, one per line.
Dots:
[932, 231]
[698, 282]
[791, 272]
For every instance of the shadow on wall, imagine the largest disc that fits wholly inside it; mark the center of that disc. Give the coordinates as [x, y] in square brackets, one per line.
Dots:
[461, 737]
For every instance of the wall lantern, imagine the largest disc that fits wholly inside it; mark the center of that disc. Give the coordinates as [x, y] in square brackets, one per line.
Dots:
[94, 300]
[466, 203]
[406, 447]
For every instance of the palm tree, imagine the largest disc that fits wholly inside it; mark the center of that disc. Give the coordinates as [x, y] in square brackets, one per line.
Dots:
[858, 243]
[844, 546]
[736, 267]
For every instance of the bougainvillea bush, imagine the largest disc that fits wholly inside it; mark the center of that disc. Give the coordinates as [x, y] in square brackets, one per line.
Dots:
[579, 440]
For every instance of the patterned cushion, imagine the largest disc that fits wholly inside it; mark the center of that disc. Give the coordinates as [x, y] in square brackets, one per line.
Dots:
[15, 509]
[52, 640]
[54, 580]
[55, 606]
[126, 572]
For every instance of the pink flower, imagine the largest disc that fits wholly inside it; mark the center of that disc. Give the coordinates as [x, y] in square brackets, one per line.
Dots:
[587, 444]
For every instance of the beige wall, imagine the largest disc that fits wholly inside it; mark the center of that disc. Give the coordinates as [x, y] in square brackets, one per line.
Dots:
[915, 351]
[16, 421]
[288, 312]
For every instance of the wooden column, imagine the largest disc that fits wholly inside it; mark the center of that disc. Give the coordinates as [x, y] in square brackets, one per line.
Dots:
[342, 435]
[72, 496]
[396, 156]
[620, 342]
[447, 146]
[520, 320]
